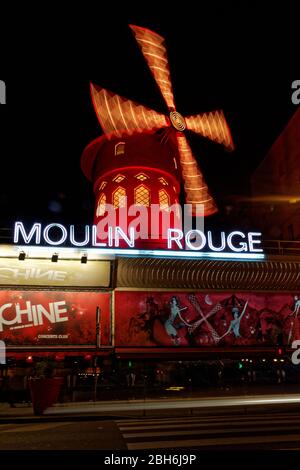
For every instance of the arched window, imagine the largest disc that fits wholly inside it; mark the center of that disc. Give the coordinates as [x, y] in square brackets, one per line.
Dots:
[120, 148]
[119, 198]
[142, 196]
[164, 200]
[101, 205]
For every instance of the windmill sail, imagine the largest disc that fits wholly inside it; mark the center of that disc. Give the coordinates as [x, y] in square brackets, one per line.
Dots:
[196, 190]
[118, 115]
[154, 51]
[211, 125]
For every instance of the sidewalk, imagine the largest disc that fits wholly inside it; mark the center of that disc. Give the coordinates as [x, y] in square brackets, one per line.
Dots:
[232, 401]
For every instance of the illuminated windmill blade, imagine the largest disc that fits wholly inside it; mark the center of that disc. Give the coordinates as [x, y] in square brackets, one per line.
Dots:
[196, 189]
[213, 126]
[154, 51]
[118, 115]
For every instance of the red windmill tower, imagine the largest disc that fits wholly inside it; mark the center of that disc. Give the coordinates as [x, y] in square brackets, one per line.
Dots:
[134, 159]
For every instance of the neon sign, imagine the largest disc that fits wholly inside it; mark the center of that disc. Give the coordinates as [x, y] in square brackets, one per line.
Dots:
[55, 235]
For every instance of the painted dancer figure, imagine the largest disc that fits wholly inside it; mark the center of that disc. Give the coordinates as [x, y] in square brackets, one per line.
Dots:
[294, 314]
[169, 324]
[296, 306]
[235, 323]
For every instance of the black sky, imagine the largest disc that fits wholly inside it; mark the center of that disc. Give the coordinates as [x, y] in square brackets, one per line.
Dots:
[236, 56]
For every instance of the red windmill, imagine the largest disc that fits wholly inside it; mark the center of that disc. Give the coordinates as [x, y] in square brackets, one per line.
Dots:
[133, 159]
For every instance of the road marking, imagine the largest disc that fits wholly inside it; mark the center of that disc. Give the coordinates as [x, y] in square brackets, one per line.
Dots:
[207, 431]
[229, 418]
[195, 424]
[211, 442]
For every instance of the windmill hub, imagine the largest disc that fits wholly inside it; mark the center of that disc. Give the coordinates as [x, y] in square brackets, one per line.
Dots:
[177, 121]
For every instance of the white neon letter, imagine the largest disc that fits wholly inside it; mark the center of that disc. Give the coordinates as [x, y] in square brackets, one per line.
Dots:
[63, 236]
[253, 242]
[196, 234]
[36, 230]
[85, 241]
[210, 243]
[178, 234]
[94, 237]
[243, 245]
[120, 233]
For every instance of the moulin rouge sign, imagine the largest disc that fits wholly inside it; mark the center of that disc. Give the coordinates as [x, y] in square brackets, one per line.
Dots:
[178, 242]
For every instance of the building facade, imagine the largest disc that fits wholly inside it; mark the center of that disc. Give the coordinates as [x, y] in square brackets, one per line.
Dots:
[276, 186]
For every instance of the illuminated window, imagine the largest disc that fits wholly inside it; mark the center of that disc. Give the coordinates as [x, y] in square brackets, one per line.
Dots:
[118, 178]
[142, 196]
[120, 148]
[175, 163]
[119, 198]
[141, 177]
[101, 205]
[102, 185]
[163, 181]
[164, 200]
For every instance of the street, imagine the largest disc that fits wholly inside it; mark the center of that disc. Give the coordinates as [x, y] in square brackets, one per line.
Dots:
[259, 431]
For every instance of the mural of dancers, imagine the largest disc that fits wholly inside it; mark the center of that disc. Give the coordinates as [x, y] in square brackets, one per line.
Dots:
[206, 319]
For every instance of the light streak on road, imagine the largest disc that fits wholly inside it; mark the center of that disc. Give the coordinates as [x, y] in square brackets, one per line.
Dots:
[183, 403]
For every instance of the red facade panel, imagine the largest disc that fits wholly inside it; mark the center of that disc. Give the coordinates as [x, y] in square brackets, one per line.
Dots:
[53, 318]
[205, 319]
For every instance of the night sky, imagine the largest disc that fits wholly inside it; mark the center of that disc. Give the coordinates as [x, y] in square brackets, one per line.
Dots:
[230, 55]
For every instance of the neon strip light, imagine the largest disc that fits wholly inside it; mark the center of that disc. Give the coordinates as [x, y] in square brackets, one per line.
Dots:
[98, 252]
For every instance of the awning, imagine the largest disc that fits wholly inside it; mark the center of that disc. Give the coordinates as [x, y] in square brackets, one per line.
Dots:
[177, 353]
